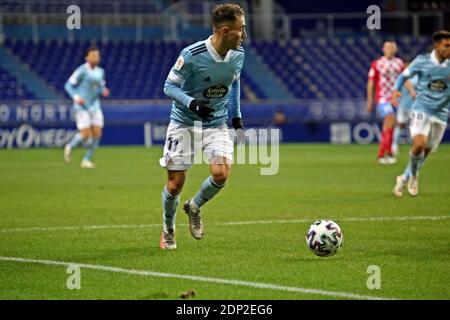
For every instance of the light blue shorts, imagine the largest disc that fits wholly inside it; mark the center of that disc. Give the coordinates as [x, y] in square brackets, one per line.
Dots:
[384, 109]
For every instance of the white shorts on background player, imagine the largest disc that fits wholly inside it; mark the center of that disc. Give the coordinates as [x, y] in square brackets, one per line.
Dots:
[180, 148]
[430, 127]
[86, 119]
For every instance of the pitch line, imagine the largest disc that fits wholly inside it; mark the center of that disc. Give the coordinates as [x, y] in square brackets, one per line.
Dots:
[233, 223]
[258, 285]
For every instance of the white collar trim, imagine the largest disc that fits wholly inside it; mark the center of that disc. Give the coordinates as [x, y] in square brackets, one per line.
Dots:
[214, 53]
[435, 60]
[88, 66]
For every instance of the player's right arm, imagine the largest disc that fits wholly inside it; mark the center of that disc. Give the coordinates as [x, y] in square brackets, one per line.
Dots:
[72, 82]
[179, 73]
[410, 87]
[373, 74]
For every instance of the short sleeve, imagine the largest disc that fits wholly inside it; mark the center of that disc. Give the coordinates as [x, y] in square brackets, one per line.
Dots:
[373, 72]
[182, 68]
[76, 76]
[413, 68]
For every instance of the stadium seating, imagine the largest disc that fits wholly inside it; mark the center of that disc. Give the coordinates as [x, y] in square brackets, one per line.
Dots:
[10, 89]
[99, 6]
[317, 68]
[311, 68]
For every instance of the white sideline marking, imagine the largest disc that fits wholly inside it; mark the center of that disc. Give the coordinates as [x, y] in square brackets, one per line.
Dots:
[235, 223]
[258, 285]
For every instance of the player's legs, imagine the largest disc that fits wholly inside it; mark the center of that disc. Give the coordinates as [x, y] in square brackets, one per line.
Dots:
[386, 111]
[425, 137]
[402, 119]
[432, 142]
[420, 128]
[170, 197]
[93, 144]
[214, 183]
[177, 158]
[170, 200]
[83, 135]
[218, 150]
[220, 169]
[96, 128]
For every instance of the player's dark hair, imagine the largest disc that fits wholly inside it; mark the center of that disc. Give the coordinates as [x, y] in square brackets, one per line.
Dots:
[224, 13]
[440, 35]
[91, 48]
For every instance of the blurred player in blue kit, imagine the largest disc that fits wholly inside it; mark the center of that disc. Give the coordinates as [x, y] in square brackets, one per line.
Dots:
[85, 86]
[430, 109]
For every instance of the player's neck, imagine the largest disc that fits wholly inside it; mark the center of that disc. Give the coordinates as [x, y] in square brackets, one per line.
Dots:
[92, 66]
[218, 46]
[438, 57]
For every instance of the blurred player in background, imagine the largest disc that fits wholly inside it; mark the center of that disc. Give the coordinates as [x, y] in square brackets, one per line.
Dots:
[429, 112]
[403, 112]
[203, 83]
[382, 75]
[85, 87]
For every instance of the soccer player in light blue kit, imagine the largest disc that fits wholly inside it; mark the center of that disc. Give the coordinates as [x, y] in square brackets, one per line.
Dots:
[85, 86]
[204, 85]
[430, 109]
[403, 112]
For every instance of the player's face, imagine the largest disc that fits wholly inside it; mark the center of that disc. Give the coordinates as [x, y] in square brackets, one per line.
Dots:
[443, 48]
[389, 49]
[235, 33]
[93, 57]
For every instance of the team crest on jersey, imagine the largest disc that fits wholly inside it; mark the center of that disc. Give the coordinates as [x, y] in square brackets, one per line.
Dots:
[437, 85]
[179, 64]
[215, 92]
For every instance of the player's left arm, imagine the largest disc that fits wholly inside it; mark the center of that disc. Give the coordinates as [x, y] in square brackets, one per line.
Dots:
[104, 89]
[234, 105]
[234, 101]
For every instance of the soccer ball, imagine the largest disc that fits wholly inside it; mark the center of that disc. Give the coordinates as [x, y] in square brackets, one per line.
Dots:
[324, 238]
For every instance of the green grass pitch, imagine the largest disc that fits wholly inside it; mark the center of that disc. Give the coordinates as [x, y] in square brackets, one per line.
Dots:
[122, 197]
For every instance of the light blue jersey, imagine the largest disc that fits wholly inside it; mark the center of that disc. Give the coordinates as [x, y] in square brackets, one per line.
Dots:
[433, 87]
[406, 100]
[87, 83]
[201, 73]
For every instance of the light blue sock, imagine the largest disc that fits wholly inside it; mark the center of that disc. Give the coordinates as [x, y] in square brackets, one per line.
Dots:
[170, 204]
[207, 191]
[416, 163]
[76, 140]
[397, 132]
[91, 149]
[407, 172]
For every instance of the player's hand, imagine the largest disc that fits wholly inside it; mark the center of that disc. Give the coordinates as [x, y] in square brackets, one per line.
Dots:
[238, 126]
[201, 109]
[78, 100]
[394, 99]
[413, 94]
[105, 93]
[370, 106]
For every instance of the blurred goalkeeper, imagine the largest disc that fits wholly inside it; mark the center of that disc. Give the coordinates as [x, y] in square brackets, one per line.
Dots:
[205, 87]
